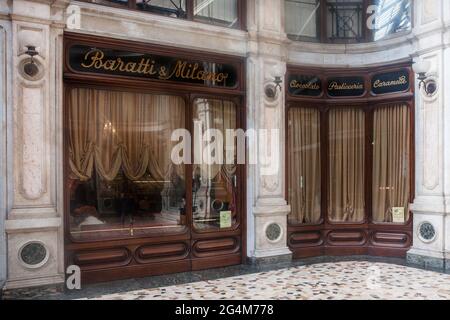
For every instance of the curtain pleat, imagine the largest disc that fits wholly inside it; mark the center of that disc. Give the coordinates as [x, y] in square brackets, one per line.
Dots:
[304, 165]
[391, 153]
[113, 131]
[346, 165]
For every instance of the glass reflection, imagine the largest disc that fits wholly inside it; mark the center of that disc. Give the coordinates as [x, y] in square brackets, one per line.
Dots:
[218, 12]
[392, 16]
[172, 8]
[301, 18]
[214, 181]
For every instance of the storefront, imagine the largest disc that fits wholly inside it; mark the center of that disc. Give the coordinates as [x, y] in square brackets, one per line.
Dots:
[350, 146]
[130, 210]
[92, 93]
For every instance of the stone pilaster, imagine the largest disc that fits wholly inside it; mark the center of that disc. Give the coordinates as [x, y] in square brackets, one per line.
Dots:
[267, 207]
[34, 209]
[431, 208]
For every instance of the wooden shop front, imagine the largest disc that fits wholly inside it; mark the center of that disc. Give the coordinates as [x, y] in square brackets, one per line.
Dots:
[350, 160]
[131, 211]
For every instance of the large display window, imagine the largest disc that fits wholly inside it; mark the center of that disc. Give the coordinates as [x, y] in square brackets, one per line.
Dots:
[132, 209]
[122, 180]
[349, 159]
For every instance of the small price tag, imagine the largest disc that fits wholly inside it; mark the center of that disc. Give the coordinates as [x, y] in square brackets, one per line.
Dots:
[398, 215]
[225, 219]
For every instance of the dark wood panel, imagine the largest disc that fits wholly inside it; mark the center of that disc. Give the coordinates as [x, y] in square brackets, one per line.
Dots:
[215, 247]
[216, 262]
[307, 252]
[102, 258]
[306, 239]
[346, 238]
[162, 252]
[345, 250]
[391, 239]
[134, 271]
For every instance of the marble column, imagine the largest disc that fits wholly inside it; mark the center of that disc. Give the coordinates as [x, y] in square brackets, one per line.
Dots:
[267, 207]
[34, 207]
[431, 207]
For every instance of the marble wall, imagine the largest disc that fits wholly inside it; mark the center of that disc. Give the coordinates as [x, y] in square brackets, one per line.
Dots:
[431, 42]
[5, 78]
[33, 163]
[31, 115]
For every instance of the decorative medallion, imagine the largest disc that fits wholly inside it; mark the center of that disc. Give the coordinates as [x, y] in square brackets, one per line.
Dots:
[33, 254]
[427, 231]
[273, 232]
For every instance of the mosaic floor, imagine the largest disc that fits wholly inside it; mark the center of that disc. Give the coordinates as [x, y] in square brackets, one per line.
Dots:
[342, 280]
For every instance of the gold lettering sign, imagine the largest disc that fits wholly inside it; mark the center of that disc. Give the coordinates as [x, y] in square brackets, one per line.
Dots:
[352, 86]
[154, 66]
[302, 85]
[146, 66]
[345, 86]
[402, 80]
[391, 82]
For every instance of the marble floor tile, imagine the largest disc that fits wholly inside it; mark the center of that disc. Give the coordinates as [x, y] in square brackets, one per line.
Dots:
[350, 280]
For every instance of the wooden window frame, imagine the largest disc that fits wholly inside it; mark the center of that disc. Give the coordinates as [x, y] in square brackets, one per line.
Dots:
[241, 10]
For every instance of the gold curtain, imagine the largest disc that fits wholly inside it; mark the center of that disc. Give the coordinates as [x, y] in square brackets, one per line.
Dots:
[115, 130]
[304, 165]
[391, 153]
[346, 165]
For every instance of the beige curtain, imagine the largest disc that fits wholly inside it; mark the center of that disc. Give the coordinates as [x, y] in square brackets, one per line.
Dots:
[346, 165]
[391, 153]
[304, 165]
[115, 130]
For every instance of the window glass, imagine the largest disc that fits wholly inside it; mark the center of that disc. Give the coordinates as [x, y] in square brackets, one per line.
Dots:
[301, 18]
[344, 19]
[172, 8]
[219, 12]
[346, 165]
[214, 181]
[391, 16]
[304, 165]
[391, 172]
[121, 179]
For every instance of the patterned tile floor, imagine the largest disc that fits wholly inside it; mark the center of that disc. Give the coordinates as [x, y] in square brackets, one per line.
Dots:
[350, 280]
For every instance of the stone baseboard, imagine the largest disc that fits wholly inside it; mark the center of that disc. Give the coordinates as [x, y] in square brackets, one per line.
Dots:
[425, 262]
[259, 261]
[32, 293]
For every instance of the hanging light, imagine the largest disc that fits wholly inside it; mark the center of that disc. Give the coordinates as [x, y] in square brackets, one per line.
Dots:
[421, 68]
